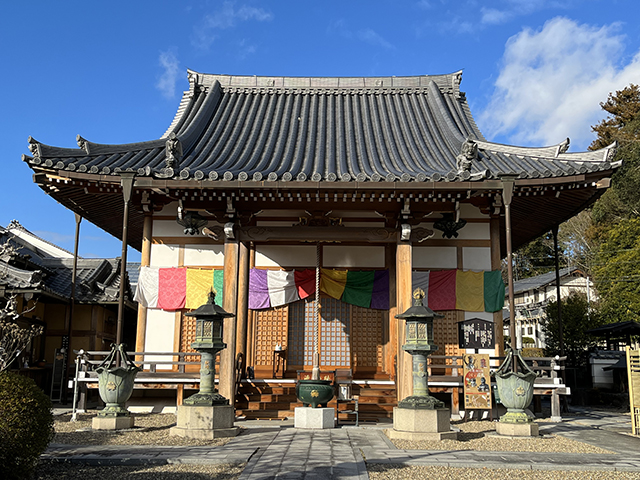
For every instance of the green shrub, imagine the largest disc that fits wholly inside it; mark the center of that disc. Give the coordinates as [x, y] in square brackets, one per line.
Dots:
[532, 352]
[26, 425]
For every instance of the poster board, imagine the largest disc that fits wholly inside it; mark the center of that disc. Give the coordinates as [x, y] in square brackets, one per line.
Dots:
[476, 333]
[477, 381]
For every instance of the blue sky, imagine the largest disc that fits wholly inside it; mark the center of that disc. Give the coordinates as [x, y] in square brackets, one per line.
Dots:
[535, 71]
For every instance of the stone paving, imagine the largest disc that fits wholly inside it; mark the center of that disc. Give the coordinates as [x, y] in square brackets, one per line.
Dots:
[280, 451]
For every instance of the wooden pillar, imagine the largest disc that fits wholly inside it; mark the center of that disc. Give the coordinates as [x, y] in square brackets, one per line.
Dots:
[496, 264]
[243, 301]
[250, 352]
[230, 304]
[391, 350]
[403, 302]
[145, 261]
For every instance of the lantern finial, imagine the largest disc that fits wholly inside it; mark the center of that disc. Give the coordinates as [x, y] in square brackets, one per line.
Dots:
[418, 295]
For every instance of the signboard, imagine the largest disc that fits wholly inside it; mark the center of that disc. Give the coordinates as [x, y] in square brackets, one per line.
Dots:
[477, 381]
[475, 333]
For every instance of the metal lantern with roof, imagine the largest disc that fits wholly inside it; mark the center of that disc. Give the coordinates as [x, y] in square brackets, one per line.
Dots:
[419, 343]
[209, 330]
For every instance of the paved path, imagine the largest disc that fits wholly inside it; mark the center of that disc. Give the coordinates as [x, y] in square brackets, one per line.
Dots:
[279, 451]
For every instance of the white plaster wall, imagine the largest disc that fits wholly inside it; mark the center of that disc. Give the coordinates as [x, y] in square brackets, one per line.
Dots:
[204, 255]
[169, 209]
[470, 211]
[434, 257]
[167, 228]
[351, 256]
[164, 255]
[159, 334]
[476, 258]
[285, 256]
[475, 231]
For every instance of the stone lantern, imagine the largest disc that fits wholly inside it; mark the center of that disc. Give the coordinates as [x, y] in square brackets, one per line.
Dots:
[419, 344]
[207, 414]
[420, 416]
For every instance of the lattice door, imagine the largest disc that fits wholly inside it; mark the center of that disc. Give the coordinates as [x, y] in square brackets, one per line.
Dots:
[445, 332]
[366, 341]
[271, 330]
[187, 337]
[301, 328]
[335, 331]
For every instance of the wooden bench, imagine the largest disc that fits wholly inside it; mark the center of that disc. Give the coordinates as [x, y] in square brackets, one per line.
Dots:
[162, 370]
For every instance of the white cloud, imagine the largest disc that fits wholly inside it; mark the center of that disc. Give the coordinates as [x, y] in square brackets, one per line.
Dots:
[552, 81]
[511, 9]
[370, 36]
[367, 35]
[227, 17]
[167, 80]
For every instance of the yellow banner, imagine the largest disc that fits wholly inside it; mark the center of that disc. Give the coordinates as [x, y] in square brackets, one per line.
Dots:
[199, 283]
[332, 282]
[470, 291]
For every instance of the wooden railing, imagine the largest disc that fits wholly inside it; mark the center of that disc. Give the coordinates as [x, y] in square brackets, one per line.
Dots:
[172, 370]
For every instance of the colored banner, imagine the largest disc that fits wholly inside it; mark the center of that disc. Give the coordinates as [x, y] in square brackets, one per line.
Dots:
[172, 288]
[470, 291]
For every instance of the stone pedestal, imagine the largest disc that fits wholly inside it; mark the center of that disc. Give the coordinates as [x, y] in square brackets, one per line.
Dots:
[422, 424]
[319, 418]
[204, 422]
[528, 429]
[112, 422]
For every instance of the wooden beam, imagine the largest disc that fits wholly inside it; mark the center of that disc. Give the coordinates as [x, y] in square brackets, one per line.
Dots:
[303, 233]
[145, 261]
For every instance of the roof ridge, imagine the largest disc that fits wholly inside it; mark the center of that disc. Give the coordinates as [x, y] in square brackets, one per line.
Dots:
[448, 80]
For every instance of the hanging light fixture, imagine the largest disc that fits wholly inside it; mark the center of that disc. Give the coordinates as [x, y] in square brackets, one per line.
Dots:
[192, 222]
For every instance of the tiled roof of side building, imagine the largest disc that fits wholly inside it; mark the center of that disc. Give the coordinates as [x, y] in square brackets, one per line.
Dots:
[361, 129]
[532, 283]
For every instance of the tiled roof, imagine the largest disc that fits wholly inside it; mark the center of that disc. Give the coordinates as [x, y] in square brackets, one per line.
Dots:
[24, 267]
[539, 281]
[363, 129]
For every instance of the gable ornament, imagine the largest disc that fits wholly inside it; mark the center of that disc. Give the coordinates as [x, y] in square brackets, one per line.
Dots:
[468, 153]
[173, 151]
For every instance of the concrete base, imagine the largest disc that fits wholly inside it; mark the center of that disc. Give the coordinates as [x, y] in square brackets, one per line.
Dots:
[319, 418]
[112, 423]
[205, 423]
[529, 429]
[422, 424]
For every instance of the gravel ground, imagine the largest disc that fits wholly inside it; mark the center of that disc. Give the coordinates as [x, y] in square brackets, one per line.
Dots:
[397, 472]
[61, 471]
[476, 435]
[149, 429]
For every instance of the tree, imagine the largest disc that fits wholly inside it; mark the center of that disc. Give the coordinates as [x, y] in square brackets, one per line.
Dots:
[622, 125]
[13, 337]
[577, 318]
[617, 276]
[535, 258]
